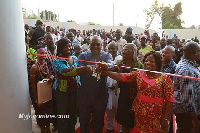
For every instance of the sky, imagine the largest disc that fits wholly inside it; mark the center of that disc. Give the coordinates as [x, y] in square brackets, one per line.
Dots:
[128, 12]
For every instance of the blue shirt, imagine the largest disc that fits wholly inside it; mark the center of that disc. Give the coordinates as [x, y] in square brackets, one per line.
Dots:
[74, 42]
[93, 92]
[186, 91]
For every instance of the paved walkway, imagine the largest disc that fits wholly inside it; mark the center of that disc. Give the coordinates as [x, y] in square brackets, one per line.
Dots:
[36, 128]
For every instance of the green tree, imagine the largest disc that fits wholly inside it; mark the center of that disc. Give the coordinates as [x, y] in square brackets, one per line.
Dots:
[91, 23]
[32, 17]
[153, 10]
[192, 27]
[70, 21]
[170, 16]
[121, 24]
[47, 15]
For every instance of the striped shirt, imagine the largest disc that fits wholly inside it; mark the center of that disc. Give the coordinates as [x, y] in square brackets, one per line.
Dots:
[49, 60]
[186, 91]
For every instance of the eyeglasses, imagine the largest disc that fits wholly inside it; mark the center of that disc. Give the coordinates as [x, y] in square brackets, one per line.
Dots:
[95, 44]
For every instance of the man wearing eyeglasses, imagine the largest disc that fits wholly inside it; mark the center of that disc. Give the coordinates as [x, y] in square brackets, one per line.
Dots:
[93, 93]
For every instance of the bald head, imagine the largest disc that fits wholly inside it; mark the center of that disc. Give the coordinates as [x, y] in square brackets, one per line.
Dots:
[170, 48]
[118, 34]
[190, 47]
[96, 37]
[113, 44]
[191, 51]
[118, 31]
[167, 54]
[112, 49]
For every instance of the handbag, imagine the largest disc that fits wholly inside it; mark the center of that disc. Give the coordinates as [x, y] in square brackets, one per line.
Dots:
[44, 91]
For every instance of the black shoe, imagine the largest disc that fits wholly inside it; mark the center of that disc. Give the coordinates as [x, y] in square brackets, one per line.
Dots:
[54, 129]
[109, 131]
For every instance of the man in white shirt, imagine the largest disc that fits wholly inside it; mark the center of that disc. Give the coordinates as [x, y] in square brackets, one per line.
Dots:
[112, 93]
[85, 47]
[119, 40]
[79, 38]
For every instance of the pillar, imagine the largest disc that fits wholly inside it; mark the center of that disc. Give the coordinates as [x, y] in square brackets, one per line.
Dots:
[14, 92]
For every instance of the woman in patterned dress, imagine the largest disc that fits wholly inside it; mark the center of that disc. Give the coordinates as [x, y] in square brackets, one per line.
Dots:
[155, 96]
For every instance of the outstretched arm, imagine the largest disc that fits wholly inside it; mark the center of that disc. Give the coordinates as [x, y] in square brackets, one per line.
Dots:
[76, 71]
[66, 71]
[113, 75]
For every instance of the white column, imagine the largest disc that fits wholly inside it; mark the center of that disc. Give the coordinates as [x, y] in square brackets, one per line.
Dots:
[14, 92]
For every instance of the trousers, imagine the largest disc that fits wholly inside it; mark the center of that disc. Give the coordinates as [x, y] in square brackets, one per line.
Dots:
[97, 112]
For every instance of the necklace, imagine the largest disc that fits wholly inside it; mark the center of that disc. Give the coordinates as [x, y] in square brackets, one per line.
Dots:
[41, 68]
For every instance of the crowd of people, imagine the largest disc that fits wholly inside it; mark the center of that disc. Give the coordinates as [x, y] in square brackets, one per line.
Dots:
[122, 75]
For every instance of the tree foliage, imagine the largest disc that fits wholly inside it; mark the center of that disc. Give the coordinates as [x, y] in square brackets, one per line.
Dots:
[91, 23]
[32, 17]
[153, 10]
[47, 15]
[70, 21]
[121, 24]
[192, 27]
[170, 16]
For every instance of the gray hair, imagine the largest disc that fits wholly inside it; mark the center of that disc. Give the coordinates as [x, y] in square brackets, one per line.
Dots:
[135, 58]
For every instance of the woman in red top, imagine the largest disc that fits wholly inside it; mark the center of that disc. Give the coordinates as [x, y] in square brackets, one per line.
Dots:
[155, 96]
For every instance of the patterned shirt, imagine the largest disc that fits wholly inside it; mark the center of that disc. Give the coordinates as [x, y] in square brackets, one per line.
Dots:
[65, 81]
[169, 68]
[49, 60]
[187, 91]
